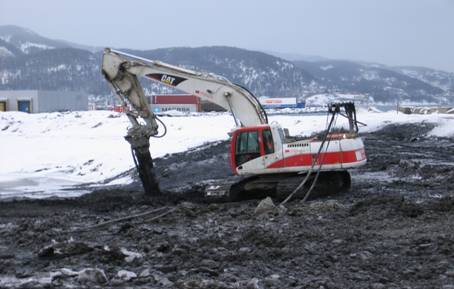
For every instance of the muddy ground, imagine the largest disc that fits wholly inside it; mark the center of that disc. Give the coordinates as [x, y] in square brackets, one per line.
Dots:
[394, 229]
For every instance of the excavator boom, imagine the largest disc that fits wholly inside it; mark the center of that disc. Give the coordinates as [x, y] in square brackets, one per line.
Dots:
[122, 69]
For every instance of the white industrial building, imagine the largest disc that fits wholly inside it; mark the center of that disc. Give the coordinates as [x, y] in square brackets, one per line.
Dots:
[34, 101]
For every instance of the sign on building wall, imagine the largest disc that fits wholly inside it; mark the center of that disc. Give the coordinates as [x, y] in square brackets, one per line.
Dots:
[275, 102]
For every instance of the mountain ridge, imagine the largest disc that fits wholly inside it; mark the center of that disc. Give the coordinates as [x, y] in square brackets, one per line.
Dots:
[31, 61]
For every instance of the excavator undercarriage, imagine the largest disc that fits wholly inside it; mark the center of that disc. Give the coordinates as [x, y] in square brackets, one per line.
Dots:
[280, 186]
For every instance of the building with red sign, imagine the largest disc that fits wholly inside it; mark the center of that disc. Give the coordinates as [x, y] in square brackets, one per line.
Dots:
[178, 102]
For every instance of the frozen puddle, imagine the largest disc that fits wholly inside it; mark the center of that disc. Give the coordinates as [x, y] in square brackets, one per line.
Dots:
[38, 187]
[379, 176]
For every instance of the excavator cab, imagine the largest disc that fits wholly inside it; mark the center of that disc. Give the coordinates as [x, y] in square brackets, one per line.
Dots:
[250, 143]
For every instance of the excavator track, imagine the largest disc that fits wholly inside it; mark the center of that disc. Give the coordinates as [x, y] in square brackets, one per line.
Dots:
[279, 186]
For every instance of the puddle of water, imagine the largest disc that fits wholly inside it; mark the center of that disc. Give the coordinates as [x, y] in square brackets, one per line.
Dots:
[38, 187]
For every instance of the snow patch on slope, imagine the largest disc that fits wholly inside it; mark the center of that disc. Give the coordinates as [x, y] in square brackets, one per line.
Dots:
[4, 52]
[326, 67]
[27, 46]
[60, 67]
[6, 38]
[6, 76]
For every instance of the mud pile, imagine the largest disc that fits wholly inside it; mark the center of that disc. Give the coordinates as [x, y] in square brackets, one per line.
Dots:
[402, 161]
[393, 230]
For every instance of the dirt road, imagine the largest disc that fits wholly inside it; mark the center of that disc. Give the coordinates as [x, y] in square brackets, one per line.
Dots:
[394, 229]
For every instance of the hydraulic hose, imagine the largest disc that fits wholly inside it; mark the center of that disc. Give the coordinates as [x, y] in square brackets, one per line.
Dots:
[314, 182]
[330, 125]
[165, 128]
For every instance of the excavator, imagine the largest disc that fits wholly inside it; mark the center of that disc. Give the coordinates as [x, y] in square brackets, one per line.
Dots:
[263, 153]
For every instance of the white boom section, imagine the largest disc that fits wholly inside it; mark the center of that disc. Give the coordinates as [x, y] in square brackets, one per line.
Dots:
[121, 70]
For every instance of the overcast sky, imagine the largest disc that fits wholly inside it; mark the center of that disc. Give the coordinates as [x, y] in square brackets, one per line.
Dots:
[395, 32]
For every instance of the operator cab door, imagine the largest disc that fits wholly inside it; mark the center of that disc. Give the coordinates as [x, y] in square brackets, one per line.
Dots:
[247, 146]
[251, 144]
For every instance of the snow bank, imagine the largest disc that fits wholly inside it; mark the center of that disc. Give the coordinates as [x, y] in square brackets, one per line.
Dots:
[50, 153]
[46, 153]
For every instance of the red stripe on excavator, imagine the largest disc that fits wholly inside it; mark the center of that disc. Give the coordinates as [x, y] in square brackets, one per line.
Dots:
[325, 159]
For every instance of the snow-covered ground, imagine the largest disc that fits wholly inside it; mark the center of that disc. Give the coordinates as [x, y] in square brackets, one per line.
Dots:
[51, 153]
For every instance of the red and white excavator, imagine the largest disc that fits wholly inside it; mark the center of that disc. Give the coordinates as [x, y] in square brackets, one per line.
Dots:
[264, 152]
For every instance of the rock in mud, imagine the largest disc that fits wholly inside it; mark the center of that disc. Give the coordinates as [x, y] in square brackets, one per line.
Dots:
[92, 275]
[130, 256]
[272, 280]
[64, 249]
[126, 275]
[265, 206]
[378, 286]
[162, 280]
[253, 284]
[68, 272]
[145, 273]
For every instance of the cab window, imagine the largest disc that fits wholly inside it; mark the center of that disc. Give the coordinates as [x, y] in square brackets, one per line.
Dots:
[268, 144]
[247, 147]
[247, 142]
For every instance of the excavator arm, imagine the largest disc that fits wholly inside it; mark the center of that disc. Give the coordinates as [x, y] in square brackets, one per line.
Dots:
[122, 70]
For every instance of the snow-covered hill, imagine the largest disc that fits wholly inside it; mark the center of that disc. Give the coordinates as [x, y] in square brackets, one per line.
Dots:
[27, 41]
[261, 73]
[70, 68]
[381, 83]
[437, 78]
[31, 61]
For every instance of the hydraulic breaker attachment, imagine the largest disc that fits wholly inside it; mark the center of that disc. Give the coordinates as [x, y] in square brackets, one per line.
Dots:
[138, 138]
